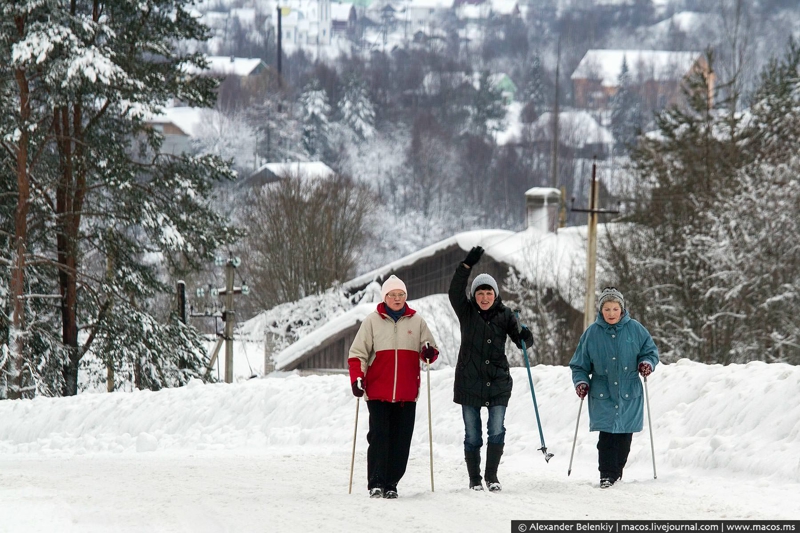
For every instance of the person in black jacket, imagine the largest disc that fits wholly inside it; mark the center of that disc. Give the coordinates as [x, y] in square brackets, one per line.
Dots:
[482, 374]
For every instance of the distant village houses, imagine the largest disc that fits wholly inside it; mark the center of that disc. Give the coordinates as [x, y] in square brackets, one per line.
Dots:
[656, 76]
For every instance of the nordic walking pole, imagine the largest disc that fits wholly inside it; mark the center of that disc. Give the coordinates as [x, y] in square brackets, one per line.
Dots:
[650, 423]
[430, 425]
[574, 440]
[353, 457]
[547, 456]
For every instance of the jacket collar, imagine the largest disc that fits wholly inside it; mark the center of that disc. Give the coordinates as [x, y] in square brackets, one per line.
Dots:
[382, 311]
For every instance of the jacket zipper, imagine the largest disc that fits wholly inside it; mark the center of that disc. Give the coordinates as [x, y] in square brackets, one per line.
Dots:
[394, 386]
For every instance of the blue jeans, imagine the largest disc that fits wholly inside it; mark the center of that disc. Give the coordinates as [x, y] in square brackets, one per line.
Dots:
[473, 439]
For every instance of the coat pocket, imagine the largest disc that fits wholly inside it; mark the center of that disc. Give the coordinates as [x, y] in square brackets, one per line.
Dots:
[630, 389]
[598, 389]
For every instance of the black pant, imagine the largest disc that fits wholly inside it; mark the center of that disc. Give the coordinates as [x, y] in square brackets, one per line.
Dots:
[613, 450]
[391, 426]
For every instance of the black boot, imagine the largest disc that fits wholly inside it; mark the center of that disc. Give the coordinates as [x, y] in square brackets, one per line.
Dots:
[493, 454]
[473, 459]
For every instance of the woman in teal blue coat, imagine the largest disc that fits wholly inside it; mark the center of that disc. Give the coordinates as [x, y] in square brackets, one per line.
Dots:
[606, 365]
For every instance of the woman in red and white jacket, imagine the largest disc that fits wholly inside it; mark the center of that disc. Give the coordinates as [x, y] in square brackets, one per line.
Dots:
[384, 368]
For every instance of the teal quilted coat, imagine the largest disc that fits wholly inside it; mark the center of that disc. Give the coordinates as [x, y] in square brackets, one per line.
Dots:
[607, 358]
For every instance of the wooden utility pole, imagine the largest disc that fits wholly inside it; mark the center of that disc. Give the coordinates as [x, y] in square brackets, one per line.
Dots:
[591, 245]
[280, 38]
[554, 152]
[228, 316]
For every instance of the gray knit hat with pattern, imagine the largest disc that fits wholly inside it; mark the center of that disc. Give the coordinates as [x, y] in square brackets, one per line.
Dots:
[483, 279]
[611, 294]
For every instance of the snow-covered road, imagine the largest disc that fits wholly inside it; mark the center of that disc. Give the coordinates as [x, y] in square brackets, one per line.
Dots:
[283, 490]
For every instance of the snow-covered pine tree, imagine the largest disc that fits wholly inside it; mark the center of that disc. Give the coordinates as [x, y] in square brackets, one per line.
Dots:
[626, 112]
[753, 285]
[357, 110]
[488, 109]
[747, 240]
[697, 210]
[86, 75]
[316, 112]
[533, 90]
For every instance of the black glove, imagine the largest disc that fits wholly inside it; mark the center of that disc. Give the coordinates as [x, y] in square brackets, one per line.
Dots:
[526, 336]
[357, 390]
[473, 256]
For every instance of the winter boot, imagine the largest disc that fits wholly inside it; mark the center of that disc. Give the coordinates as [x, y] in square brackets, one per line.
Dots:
[377, 492]
[390, 493]
[473, 459]
[606, 482]
[493, 454]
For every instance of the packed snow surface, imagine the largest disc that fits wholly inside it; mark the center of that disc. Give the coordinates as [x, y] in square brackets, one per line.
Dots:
[275, 452]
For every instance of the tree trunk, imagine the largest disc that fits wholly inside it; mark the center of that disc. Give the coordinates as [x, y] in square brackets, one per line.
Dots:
[68, 207]
[16, 361]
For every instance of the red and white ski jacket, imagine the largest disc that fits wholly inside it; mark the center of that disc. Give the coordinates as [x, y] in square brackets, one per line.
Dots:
[386, 355]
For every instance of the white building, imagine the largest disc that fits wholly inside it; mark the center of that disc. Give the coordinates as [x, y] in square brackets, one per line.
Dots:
[306, 22]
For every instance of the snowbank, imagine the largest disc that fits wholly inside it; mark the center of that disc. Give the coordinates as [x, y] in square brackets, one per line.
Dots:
[738, 418]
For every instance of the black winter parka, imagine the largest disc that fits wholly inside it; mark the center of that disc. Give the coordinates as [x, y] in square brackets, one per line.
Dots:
[482, 375]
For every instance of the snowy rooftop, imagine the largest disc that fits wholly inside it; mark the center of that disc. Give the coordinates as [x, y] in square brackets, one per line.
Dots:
[575, 128]
[606, 65]
[552, 259]
[341, 11]
[307, 169]
[504, 7]
[430, 4]
[227, 66]
[188, 119]
[465, 240]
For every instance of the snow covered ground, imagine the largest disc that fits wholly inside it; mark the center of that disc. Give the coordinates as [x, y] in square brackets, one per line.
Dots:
[274, 453]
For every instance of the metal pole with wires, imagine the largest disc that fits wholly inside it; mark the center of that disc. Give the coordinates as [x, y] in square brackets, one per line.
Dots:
[353, 456]
[650, 423]
[575, 439]
[543, 449]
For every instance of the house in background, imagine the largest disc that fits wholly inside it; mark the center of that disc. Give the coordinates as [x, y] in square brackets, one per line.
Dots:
[422, 14]
[178, 125]
[537, 253]
[505, 85]
[274, 172]
[224, 66]
[305, 22]
[578, 133]
[655, 75]
[343, 19]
